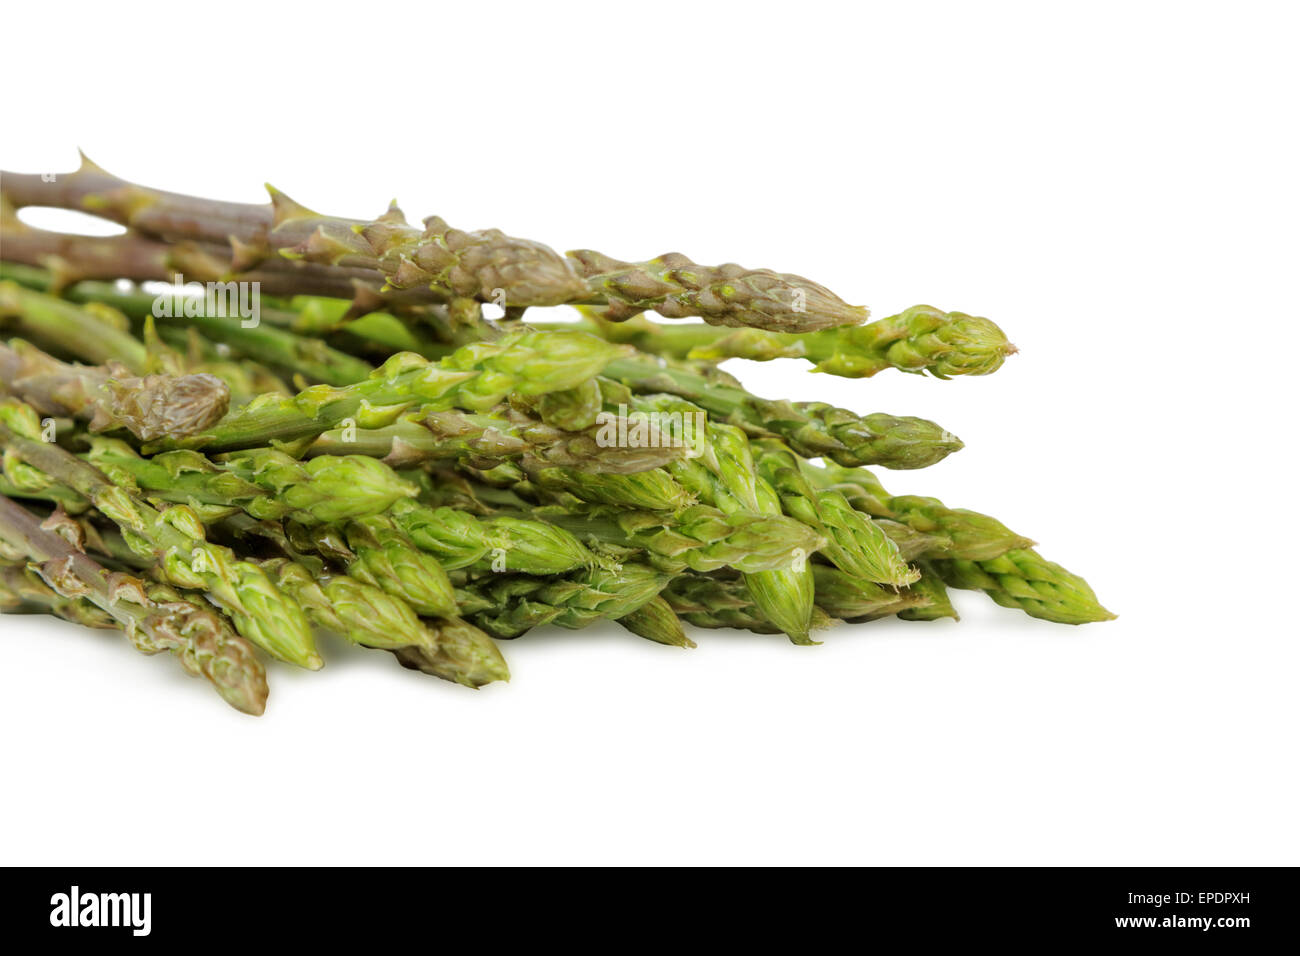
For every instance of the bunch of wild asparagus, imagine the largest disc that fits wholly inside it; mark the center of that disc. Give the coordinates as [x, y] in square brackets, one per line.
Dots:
[357, 450]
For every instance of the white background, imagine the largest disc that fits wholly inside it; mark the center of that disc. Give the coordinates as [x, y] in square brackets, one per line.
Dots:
[1115, 184]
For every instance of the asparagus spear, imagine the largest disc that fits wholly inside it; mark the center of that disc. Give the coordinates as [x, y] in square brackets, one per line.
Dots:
[110, 397]
[263, 482]
[954, 532]
[447, 264]
[718, 603]
[301, 355]
[368, 616]
[509, 605]
[383, 556]
[70, 260]
[854, 543]
[919, 339]
[654, 490]
[174, 538]
[465, 655]
[96, 333]
[42, 490]
[725, 477]
[850, 598]
[474, 377]
[153, 621]
[974, 551]
[268, 484]
[23, 591]
[722, 601]
[485, 440]
[304, 318]
[657, 621]
[1024, 579]
[813, 429]
[932, 588]
[699, 537]
[501, 542]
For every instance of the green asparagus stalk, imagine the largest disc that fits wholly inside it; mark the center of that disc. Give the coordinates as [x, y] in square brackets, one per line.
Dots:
[443, 264]
[971, 550]
[1024, 579]
[854, 543]
[370, 617]
[657, 621]
[152, 621]
[23, 591]
[384, 557]
[501, 543]
[303, 317]
[509, 605]
[41, 490]
[954, 532]
[174, 538]
[725, 477]
[176, 352]
[268, 484]
[95, 333]
[310, 357]
[725, 603]
[265, 483]
[932, 588]
[700, 537]
[654, 490]
[362, 613]
[697, 536]
[850, 598]
[813, 429]
[919, 339]
[486, 440]
[474, 377]
[98, 333]
[465, 655]
[109, 397]
[722, 476]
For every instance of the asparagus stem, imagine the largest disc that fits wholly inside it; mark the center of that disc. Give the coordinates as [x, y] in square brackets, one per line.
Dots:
[263, 482]
[854, 543]
[370, 617]
[301, 355]
[1025, 580]
[23, 591]
[474, 377]
[919, 339]
[486, 440]
[724, 476]
[152, 621]
[110, 397]
[657, 621]
[701, 537]
[447, 264]
[952, 532]
[175, 539]
[500, 543]
[813, 429]
[95, 334]
[932, 588]
[302, 318]
[72, 259]
[509, 605]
